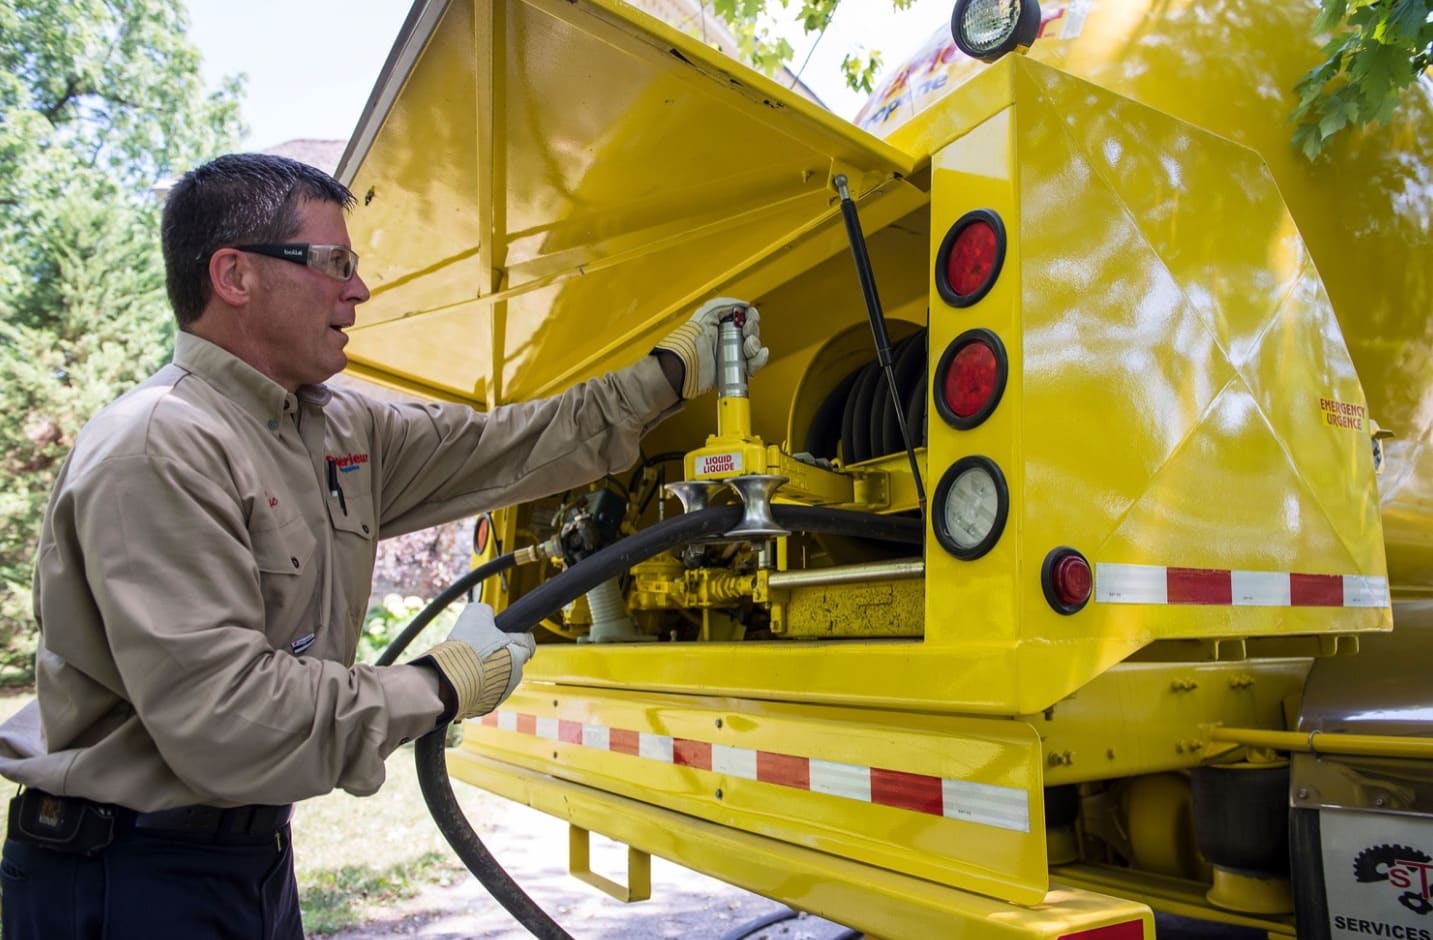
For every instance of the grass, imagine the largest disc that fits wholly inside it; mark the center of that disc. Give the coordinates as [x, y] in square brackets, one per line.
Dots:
[354, 855]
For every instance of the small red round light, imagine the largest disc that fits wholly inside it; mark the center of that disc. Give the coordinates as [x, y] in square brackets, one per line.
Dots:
[973, 257]
[1072, 580]
[971, 379]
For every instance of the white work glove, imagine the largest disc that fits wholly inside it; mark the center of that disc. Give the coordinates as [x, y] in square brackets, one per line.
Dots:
[695, 343]
[481, 663]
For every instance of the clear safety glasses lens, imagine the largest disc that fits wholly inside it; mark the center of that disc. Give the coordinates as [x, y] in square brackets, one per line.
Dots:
[336, 261]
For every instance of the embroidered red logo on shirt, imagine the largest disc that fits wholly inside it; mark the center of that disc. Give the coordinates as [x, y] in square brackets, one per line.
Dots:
[350, 463]
[273, 501]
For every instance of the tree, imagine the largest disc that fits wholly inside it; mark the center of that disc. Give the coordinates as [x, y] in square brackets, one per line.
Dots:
[1378, 48]
[767, 52]
[99, 102]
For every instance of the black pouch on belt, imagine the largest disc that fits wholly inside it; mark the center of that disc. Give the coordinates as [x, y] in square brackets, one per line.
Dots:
[64, 824]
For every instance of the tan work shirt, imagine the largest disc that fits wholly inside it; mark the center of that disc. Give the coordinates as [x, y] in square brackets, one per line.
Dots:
[201, 586]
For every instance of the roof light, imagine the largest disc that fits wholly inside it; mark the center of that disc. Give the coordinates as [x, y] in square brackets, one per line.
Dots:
[970, 378]
[971, 504]
[1067, 580]
[970, 257]
[988, 29]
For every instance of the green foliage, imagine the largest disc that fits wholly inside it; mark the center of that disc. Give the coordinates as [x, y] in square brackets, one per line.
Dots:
[758, 45]
[1377, 48]
[384, 621]
[99, 102]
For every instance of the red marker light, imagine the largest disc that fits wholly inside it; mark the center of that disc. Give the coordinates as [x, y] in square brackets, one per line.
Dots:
[1067, 580]
[970, 381]
[1073, 580]
[972, 257]
[970, 378]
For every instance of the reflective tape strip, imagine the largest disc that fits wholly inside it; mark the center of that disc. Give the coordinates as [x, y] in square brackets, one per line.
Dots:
[1159, 584]
[964, 800]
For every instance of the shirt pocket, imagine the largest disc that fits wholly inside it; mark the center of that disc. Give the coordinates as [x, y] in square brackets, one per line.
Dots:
[284, 556]
[353, 514]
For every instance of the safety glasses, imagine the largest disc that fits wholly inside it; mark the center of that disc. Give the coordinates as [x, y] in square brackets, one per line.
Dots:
[336, 261]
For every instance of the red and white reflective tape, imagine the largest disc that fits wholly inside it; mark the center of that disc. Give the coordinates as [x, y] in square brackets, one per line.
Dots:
[1158, 584]
[982, 803]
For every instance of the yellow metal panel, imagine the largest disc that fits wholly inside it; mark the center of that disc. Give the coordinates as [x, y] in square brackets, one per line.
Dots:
[878, 901]
[594, 169]
[1129, 300]
[1362, 208]
[979, 171]
[1195, 335]
[953, 800]
[1176, 705]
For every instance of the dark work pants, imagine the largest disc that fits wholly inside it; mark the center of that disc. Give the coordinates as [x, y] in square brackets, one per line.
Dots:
[149, 886]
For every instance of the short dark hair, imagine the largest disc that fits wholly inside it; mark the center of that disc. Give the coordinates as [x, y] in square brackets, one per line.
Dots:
[236, 199]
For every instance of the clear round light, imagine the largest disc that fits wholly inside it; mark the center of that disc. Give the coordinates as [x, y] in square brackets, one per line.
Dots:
[988, 23]
[971, 507]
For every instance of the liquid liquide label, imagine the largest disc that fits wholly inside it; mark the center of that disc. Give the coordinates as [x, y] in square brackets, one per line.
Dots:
[718, 463]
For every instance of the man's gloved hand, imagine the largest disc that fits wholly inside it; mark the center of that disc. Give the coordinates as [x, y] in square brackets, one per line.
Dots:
[479, 662]
[695, 344]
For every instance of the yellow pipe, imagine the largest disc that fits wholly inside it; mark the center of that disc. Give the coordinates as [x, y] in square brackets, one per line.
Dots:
[1314, 742]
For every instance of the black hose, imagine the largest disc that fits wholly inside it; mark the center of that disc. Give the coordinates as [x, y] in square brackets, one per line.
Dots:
[528, 610]
[780, 915]
[440, 603]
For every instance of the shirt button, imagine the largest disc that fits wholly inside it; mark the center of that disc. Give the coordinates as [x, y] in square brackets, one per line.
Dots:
[273, 424]
[295, 562]
[365, 530]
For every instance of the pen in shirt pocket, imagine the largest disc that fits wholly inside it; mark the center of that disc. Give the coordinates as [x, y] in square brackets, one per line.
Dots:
[333, 488]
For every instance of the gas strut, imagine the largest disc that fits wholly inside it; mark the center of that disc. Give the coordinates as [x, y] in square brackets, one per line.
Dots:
[878, 321]
[528, 610]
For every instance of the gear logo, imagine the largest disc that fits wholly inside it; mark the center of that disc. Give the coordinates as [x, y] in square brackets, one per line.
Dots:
[1405, 869]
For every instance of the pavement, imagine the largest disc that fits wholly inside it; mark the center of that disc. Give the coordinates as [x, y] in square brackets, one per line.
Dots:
[532, 846]
[685, 904]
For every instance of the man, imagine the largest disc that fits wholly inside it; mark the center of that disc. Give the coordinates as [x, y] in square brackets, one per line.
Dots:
[204, 570]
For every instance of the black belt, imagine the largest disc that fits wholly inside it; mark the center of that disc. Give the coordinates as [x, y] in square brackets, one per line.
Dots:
[252, 820]
[74, 824]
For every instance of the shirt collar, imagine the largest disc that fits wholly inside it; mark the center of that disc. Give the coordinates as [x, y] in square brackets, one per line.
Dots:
[246, 386]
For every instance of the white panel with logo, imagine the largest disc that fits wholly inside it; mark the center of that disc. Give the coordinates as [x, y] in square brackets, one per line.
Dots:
[1378, 871]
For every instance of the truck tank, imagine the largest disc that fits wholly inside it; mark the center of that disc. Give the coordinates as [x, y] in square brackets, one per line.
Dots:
[1364, 207]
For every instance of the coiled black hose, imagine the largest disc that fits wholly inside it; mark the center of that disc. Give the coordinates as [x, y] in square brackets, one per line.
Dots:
[531, 608]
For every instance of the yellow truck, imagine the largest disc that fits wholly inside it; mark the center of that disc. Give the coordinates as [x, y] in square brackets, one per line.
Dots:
[1133, 613]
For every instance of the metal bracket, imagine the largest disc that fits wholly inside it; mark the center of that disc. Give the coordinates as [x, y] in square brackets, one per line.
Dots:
[639, 869]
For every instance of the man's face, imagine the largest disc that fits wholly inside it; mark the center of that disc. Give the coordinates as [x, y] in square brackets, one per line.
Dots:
[297, 318]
